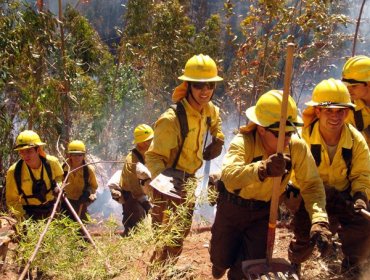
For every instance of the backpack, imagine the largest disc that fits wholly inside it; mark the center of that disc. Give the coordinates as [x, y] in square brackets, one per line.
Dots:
[18, 179]
[180, 112]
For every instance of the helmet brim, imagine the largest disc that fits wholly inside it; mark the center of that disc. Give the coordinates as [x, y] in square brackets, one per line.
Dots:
[29, 146]
[333, 105]
[146, 139]
[189, 79]
[251, 115]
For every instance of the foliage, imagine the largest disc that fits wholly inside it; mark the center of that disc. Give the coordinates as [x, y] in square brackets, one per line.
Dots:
[73, 258]
[267, 26]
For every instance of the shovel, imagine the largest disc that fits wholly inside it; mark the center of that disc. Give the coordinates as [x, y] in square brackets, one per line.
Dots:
[275, 268]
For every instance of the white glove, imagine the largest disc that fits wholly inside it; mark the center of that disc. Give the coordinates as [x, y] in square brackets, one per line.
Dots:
[116, 194]
[142, 172]
[92, 197]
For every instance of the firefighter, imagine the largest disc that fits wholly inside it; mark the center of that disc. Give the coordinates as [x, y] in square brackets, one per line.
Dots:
[136, 204]
[240, 229]
[356, 76]
[31, 182]
[81, 185]
[342, 157]
[179, 137]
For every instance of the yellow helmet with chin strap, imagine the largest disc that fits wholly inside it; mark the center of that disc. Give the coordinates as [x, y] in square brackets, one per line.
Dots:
[267, 111]
[331, 93]
[200, 68]
[27, 139]
[356, 70]
[142, 133]
[76, 147]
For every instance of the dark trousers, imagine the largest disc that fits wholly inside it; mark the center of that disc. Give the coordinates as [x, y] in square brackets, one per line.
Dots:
[353, 230]
[159, 217]
[239, 233]
[79, 207]
[39, 212]
[133, 213]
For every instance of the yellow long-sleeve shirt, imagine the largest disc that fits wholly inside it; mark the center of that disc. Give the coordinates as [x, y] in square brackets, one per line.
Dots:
[335, 174]
[15, 200]
[365, 112]
[76, 183]
[240, 173]
[167, 139]
[129, 181]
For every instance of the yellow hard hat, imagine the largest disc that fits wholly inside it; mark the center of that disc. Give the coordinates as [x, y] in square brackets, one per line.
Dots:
[200, 68]
[331, 93]
[27, 139]
[142, 133]
[356, 70]
[267, 111]
[76, 147]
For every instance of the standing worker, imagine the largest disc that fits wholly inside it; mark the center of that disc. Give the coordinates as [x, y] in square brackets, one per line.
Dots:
[342, 157]
[356, 76]
[31, 181]
[136, 204]
[81, 184]
[240, 229]
[179, 136]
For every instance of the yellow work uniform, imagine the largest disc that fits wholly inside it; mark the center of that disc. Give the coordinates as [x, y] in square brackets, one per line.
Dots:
[75, 183]
[335, 174]
[167, 139]
[15, 200]
[365, 112]
[240, 173]
[129, 181]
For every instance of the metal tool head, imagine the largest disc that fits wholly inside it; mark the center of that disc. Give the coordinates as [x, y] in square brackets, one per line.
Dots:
[164, 185]
[276, 268]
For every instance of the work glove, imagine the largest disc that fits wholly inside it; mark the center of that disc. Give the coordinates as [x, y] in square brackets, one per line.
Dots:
[116, 195]
[92, 197]
[142, 172]
[360, 201]
[273, 166]
[321, 236]
[214, 149]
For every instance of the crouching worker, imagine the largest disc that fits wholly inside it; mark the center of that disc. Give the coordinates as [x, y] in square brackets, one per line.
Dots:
[240, 229]
[136, 204]
[31, 181]
[81, 183]
[342, 158]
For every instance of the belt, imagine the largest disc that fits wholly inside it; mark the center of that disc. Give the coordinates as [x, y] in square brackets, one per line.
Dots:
[252, 204]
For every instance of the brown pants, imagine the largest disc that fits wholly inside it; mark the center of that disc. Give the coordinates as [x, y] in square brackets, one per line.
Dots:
[352, 228]
[162, 203]
[80, 209]
[133, 213]
[239, 233]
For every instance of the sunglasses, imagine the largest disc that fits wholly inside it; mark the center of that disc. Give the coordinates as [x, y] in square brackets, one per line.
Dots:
[276, 133]
[200, 85]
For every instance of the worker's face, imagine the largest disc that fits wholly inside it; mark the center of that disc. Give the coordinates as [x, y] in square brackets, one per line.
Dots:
[201, 93]
[77, 159]
[269, 139]
[331, 119]
[359, 91]
[30, 156]
[144, 146]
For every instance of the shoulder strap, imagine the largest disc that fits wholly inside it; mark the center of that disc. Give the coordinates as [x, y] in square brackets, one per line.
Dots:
[316, 153]
[359, 120]
[184, 127]
[347, 157]
[18, 178]
[65, 172]
[138, 155]
[86, 176]
[49, 172]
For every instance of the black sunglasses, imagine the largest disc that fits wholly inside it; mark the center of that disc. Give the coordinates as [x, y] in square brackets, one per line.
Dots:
[276, 133]
[202, 85]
